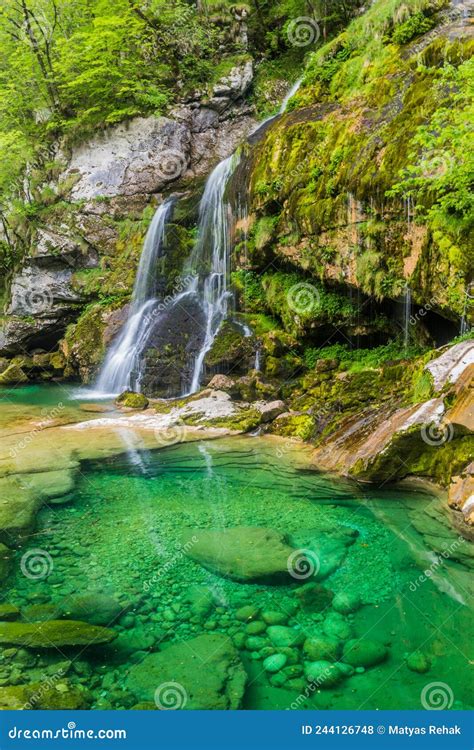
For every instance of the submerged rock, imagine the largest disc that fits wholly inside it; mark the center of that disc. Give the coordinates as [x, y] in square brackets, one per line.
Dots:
[364, 653]
[345, 603]
[203, 673]
[329, 546]
[313, 597]
[94, 608]
[5, 561]
[243, 553]
[54, 633]
[44, 696]
[319, 648]
[9, 613]
[323, 673]
[417, 661]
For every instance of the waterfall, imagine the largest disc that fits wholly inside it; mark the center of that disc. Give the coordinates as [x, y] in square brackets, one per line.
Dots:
[407, 317]
[121, 369]
[212, 248]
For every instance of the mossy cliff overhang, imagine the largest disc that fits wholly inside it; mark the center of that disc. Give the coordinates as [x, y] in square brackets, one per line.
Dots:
[326, 174]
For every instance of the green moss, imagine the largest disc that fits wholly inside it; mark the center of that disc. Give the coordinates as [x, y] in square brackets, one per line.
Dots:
[132, 400]
[298, 425]
[243, 421]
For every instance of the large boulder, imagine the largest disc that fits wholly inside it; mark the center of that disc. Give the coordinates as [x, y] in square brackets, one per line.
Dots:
[53, 634]
[95, 608]
[243, 553]
[203, 673]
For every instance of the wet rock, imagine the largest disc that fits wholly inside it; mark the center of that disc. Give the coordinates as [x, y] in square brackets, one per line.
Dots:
[319, 648]
[274, 663]
[282, 636]
[335, 626]
[272, 617]
[206, 671]
[94, 608]
[59, 696]
[241, 553]
[247, 613]
[345, 603]
[271, 410]
[450, 366]
[364, 653]
[131, 400]
[9, 613]
[54, 633]
[5, 560]
[97, 408]
[222, 383]
[461, 494]
[329, 546]
[417, 661]
[323, 673]
[200, 600]
[13, 375]
[313, 597]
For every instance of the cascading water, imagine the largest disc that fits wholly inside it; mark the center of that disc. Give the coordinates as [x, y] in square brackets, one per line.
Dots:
[212, 249]
[121, 369]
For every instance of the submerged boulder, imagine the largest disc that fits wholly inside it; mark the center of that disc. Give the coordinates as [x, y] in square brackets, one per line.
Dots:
[53, 633]
[46, 696]
[203, 673]
[94, 608]
[364, 653]
[243, 553]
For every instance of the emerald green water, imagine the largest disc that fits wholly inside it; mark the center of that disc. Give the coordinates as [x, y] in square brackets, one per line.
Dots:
[121, 536]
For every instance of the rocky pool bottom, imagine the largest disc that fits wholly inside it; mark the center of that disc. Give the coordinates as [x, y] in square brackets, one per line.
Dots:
[229, 574]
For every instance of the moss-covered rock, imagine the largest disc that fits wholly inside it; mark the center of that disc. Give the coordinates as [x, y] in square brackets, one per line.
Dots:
[13, 375]
[53, 634]
[131, 400]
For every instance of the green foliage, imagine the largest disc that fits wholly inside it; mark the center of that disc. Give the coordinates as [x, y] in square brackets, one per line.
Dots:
[361, 359]
[413, 27]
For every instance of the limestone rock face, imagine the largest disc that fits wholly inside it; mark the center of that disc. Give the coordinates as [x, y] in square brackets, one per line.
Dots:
[461, 494]
[244, 553]
[142, 156]
[204, 673]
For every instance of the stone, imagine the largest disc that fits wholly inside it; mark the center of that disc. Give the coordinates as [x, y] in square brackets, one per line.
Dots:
[221, 383]
[329, 545]
[313, 597]
[323, 673]
[282, 636]
[13, 375]
[274, 663]
[5, 560]
[449, 367]
[206, 672]
[241, 553]
[271, 410]
[94, 608]
[200, 600]
[320, 648]
[364, 653]
[345, 603]
[44, 696]
[256, 627]
[335, 626]
[272, 617]
[97, 408]
[326, 365]
[417, 661]
[247, 613]
[461, 494]
[54, 633]
[131, 400]
[9, 613]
